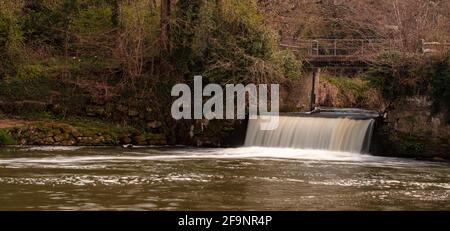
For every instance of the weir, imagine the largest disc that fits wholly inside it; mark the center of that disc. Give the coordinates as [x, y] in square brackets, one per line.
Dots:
[343, 130]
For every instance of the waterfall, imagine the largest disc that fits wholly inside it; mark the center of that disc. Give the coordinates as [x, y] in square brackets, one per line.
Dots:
[333, 134]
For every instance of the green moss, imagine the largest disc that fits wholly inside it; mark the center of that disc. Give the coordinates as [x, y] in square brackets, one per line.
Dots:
[407, 144]
[152, 136]
[411, 148]
[6, 138]
[98, 131]
[357, 86]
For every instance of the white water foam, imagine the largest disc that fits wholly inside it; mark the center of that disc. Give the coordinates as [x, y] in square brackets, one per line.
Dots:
[195, 154]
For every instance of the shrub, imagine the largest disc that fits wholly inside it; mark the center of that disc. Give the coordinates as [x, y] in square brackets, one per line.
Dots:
[398, 75]
[234, 47]
[11, 55]
[6, 138]
[441, 86]
[30, 83]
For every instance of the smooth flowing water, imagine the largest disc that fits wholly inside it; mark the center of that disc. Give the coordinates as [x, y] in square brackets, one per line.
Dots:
[333, 134]
[216, 179]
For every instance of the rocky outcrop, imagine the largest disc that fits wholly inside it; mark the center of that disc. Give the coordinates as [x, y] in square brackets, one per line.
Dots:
[67, 135]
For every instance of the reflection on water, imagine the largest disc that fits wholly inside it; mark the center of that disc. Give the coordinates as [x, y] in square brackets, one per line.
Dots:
[216, 179]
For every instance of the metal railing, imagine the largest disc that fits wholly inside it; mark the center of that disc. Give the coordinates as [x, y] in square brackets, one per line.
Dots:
[357, 48]
[434, 47]
[340, 47]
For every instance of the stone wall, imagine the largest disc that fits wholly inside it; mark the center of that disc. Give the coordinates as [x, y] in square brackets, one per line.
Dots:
[410, 129]
[130, 111]
[64, 134]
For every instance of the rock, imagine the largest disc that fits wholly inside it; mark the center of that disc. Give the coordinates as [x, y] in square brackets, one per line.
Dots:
[109, 139]
[95, 110]
[97, 101]
[109, 109]
[133, 113]
[39, 135]
[328, 94]
[154, 125]
[23, 142]
[98, 140]
[34, 106]
[85, 141]
[75, 133]
[139, 140]
[126, 140]
[48, 141]
[70, 142]
[61, 137]
[121, 108]
[55, 132]
[67, 129]
[56, 108]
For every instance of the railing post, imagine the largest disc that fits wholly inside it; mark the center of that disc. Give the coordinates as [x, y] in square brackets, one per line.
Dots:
[317, 46]
[335, 47]
[422, 46]
[362, 46]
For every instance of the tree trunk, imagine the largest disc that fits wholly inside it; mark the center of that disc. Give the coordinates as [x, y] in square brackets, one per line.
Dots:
[165, 25]
[115, 17]
[219, 5]
[152, 5]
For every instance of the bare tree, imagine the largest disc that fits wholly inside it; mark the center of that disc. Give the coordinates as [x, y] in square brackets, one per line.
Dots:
[165, 25]
[408, 21]
[219, 5]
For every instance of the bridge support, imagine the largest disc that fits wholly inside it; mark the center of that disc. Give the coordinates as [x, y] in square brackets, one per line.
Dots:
[314, 88]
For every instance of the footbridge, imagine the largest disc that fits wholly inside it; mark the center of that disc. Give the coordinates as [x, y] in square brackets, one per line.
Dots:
[350, 52]
[344, 53]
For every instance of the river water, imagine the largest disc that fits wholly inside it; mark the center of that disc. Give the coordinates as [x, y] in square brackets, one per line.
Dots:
[180, 178]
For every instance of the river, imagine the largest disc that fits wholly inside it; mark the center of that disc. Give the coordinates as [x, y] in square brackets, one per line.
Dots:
[181, 178]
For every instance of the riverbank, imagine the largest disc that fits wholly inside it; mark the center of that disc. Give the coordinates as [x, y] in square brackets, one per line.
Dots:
[74, 131]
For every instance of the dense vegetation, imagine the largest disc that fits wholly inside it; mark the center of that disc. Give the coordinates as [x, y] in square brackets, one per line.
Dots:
[398, 75]
[117, 59]
[124, 56]
[110, 48]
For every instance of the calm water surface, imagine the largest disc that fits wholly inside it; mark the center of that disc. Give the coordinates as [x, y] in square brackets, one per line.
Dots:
[216, 179]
